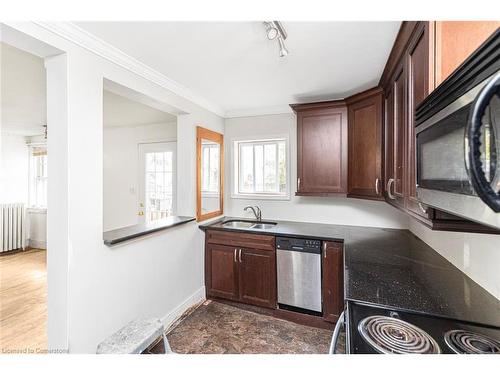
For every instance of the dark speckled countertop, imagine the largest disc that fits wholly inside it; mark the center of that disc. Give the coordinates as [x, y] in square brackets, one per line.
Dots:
[394, 268]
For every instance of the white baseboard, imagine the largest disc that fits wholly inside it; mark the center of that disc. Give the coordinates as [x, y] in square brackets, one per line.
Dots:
[195, 299]
[37, 244]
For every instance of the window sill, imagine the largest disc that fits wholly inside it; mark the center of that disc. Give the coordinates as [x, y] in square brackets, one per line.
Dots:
[269, 197]
[116, 236]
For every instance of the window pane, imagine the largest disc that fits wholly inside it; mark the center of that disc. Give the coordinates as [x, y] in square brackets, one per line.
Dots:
[159, 185]
[282, 167]
[259, 168]
[214, 169]
[246, 168]
[205, 174]
[159, 161]
[270, 168]
[262, 167]
[169, 161]
[150, 162]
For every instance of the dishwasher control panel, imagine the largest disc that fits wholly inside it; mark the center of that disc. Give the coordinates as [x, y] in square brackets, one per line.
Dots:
[299, 244]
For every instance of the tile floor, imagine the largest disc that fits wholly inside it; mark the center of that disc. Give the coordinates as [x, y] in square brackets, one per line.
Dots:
[217, 328]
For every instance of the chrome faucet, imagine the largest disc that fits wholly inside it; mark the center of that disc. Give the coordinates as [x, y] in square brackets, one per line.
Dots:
[256, 211]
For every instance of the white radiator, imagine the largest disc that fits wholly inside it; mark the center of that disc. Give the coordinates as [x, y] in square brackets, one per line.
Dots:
[12, 226]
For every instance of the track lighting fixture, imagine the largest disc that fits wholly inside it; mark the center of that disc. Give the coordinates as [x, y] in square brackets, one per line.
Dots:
[275, 30]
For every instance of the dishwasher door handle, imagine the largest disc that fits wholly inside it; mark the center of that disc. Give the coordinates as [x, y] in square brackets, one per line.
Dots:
[336, 334]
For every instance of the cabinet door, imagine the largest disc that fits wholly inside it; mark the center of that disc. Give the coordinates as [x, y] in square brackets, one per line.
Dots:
[257, 277]
[389, 142]
[365, 147]
[322, 151]
[419, 85]
[399, 134]
[333, 280]
[456, 40]
[222, 271]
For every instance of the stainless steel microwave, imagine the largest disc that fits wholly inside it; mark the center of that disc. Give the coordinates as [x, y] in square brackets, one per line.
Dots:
[458, 140]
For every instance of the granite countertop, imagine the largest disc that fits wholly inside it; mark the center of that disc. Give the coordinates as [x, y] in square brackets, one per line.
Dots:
[116, 236]
[394, 268]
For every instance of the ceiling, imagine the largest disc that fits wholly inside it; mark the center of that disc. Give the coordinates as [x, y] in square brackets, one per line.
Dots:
[24, 104]
[233, 65]
[23, 87]
[121, 111]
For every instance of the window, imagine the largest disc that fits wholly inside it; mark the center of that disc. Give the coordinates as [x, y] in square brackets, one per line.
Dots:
[210, 167]
[261, 167]
[38, 177]
[157, 181]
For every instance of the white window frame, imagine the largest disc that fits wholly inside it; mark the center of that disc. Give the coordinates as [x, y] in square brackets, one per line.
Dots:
[235, 144]
[32, 180]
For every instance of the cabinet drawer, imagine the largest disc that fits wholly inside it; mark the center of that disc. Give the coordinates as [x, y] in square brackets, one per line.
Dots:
[248, 240]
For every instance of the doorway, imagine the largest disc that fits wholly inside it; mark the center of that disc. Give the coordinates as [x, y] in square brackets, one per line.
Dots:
[157, 177]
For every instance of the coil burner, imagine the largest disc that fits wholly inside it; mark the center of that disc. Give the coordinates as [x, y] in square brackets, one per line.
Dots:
[465, 342]
[394, 336]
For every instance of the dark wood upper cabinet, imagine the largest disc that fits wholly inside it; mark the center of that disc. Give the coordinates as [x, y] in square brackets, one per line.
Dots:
[333, 280]
[365, 178]
[257, 277]
[321, 148]
[455, 41]
[395, 137]
[414, 67]
[420, 82]
[398, 186]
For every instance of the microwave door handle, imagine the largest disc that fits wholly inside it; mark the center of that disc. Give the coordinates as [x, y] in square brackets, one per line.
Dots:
[473, 144]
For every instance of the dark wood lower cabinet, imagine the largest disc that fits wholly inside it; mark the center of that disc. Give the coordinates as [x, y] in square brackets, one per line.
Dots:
[241, 274]
[257, 277]
[333, 280]
[247, 275]
[221, 272]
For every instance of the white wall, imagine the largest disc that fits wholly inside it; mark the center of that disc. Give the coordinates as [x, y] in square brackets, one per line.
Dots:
[14, 169]
[107, 287]
[37, 228]
[330, 210]
[121, 169]
[477, 255]
[23, 89]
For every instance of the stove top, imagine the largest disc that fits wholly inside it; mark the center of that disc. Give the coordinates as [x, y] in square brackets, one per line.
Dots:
[466, 342]
[373, 329]
[394, 336]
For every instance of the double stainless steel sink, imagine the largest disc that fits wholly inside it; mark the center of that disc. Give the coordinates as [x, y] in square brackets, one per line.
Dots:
[248, 224]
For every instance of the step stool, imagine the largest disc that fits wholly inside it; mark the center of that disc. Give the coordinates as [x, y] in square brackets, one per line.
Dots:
[137, 337]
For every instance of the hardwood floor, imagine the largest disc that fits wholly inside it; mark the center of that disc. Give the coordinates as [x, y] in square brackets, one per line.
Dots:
[23, 302]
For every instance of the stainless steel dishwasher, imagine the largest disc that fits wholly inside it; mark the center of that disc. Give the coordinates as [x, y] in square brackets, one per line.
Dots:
[299, 274]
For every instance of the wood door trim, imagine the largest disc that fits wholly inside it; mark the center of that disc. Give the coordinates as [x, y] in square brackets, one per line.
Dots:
[202, 133]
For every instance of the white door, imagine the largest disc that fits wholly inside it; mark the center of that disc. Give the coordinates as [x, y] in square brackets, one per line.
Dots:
[157, 181]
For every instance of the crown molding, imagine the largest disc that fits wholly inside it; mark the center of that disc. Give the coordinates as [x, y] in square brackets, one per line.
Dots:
[263, 111]
[90, 42]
